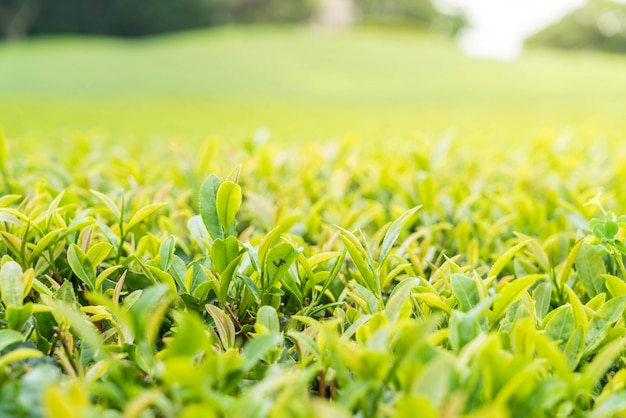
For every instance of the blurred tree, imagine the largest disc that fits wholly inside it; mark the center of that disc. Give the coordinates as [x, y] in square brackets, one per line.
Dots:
[17, 16]
[420, 12]
[599, 24]
[141, 17]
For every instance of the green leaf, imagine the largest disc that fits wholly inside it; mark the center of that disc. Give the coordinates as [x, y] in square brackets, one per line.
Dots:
[590, 268]
[227, 203]
[115, 210]
[615, 285]
[8, 337]
[44, 242]
[142, 214]
[393, 233]
[559, 324]
[611, 228]
[610, 407]
[148, 311]
[190, 336]
[81, 266]
[258, 347]
[465, 291]
[166, 252]
[600, 323]
[19, 354]
[601, 363]
[98, 253]
[512, 292]
[580, 317]
[12, 284]
[569, 262]
[83, 328]
[224, 325]
[541, 296]
[227, 276]
[361, 259]
[280, 258]
[574, 349]
[501, 262]
[266, 320]
[9, 218]
[208, 208]
[400, 294]
[223, 252]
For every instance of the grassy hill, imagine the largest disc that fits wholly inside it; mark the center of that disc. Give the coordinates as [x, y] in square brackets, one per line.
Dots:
[303, 86]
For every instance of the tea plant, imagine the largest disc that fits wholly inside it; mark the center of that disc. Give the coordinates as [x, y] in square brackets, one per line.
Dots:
[327, 280]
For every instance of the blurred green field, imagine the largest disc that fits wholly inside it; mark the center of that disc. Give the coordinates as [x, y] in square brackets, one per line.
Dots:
[303, 86]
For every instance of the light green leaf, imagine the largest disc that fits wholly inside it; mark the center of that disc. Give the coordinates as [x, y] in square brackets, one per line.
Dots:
[280, 258]
[601, 363]
[8, 337]
[590, 268]
[393, 233]
[361, 259]
[266, 320]
[258, 347]
[115, 210]
[81, 266]
[208, 208]
[142, 214]
[465, 290]
[512, 292]
[12, 284]
[98, 253]
[559, 324]
[227, 203]
[224, 325]
[599, 325]
[19, 354]
[166, 252]
[501, 262]
[612, 405]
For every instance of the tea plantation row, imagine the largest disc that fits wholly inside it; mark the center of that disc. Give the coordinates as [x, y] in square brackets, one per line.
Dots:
[431, 280]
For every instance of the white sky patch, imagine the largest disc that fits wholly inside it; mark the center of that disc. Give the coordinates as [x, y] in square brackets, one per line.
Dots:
[497, 28]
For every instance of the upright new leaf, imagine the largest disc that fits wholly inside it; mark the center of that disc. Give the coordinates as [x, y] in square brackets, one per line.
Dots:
[228, 202]
[12, 284]
[393, 233]
[143, 213]
[465, 290]
[208, 209]
[81, 266]
[590, 268]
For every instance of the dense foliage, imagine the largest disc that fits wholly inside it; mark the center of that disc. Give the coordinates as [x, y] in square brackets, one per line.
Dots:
[141, 17]
[599, 24]
[323, 280]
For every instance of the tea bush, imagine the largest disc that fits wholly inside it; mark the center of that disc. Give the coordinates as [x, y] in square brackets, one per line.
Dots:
[321, 280]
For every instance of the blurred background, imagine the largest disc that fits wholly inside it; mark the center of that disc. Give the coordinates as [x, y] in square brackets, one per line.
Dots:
[313, 70]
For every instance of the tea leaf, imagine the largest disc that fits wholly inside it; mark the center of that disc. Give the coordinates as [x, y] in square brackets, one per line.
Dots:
[512, 292]
[12, 284]
[465, 290]
[109, 203]
[143, 213]
[227, 203]
[81, 266]
[393, 233]
[224, 325]
[501, 262]
[590, 269]
[208, 206]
